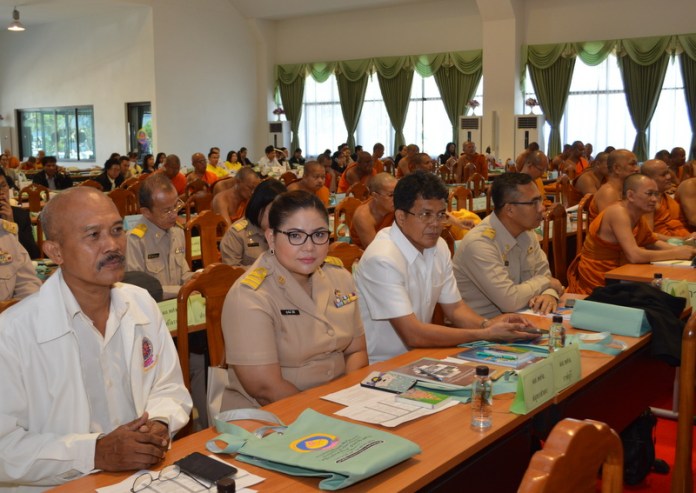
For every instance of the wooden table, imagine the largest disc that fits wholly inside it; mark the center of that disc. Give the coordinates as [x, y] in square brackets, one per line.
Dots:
[453, 456]
[646, 272]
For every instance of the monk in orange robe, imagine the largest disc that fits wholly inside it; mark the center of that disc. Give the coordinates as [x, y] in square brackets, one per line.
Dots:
[376, 213]
[312, 181]
[471, 156]
[666, 221]
[359, 171]
[231, 202]
[621, 164]
[621, 234]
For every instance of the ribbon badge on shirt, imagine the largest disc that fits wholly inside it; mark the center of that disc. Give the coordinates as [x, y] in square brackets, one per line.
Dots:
[149, 358]
[5, 257]
[341, 299]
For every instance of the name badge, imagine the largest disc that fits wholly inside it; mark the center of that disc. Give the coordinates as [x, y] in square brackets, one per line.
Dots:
[289, 312]
[153, 255]
[251, 243]
[179, 250]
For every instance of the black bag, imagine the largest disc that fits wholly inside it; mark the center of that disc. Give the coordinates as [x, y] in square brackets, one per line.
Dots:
[639, 447]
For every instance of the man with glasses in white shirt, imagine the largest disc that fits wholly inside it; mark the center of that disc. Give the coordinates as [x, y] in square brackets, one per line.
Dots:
[407, 270]
[499, 266]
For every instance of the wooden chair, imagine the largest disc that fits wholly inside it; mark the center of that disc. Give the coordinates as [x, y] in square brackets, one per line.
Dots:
[359, 191]
[388, 166]
[464, 197]
[561, 192]
[348, 253]
[571, 458]
[197, 203]
[288, 177]
[555, 224]
[462, 176]
[445, 173]
[211, 228]
[213, 284]
[4, 305]
[446, 235]
[130, 181]
[135, 189]
[682, 474]
[343, 213]
[196, 186]
[125, 201]
[36, 196]
[583, 224]
[477, 184]
[93, 184]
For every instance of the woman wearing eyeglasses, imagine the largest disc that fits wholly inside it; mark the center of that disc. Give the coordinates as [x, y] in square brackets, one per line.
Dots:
[292, 322]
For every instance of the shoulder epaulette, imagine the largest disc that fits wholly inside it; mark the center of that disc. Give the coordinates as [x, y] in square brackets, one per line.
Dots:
[334, 261]
[240, 225]
[179, 225]
[139, 230]
[255, 278]
[10, 227]
[488, 233]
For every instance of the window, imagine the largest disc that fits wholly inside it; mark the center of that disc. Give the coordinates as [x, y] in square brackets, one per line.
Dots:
[597, 112]
[66, 133]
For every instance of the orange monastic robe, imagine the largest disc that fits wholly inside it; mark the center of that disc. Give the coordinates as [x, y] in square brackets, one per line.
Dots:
[343, 184]
[599, 256]
[386, 221]
[667, 219]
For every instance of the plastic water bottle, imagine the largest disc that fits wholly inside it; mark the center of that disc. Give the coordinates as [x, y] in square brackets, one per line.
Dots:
[481, 400]
[556, 334]
[657, 281]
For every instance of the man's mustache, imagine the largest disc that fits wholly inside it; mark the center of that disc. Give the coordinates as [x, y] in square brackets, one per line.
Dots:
[110, 258]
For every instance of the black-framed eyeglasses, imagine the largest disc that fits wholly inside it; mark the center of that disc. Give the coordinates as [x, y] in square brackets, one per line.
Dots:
[297, 237]
[535, 202]
[428, 216]
[169, 473]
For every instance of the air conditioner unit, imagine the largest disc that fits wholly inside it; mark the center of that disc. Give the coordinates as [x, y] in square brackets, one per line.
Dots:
[470, 129]
[279, 134]
[528, 129]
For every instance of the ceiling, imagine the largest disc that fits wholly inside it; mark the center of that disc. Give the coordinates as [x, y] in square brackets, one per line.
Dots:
[38, 12]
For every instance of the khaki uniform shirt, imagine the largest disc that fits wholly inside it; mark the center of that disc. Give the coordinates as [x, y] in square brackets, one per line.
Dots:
[160, 253]
[497, 273]
[242, 244]
[268, 318]
[17, 274]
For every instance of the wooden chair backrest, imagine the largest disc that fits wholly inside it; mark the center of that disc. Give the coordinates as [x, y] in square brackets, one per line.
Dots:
[464, 197]
[288, 177]
[447, 235]
[125, 201]
[468, 170]
[130, 181]
[477, 184]
[571, 457]
[359, 191]
[93, 184]
[583, 224]
[34, 194]
[213, 284]
[445, 173]
[196, 186]
[211, 227]
[555, 223]
[347, 252]
[4, 305]
[561, 193]
[135, 188]
[510, 168]
[343, 213]
[198, 202]
[682, 474]
[388, 166]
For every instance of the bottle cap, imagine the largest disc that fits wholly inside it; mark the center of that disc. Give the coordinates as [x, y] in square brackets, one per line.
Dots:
[226, 485]
[482, 371]
[657, 275]
[558, 319]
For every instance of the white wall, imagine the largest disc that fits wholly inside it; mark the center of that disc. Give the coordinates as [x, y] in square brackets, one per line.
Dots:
[99, 61]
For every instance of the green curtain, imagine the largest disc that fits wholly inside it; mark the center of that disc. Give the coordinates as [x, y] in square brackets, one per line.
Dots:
[395, 79]
[291, 95]
[643, 64]
[688, 69]
[351, 95]
[456, 89]
[551, 81]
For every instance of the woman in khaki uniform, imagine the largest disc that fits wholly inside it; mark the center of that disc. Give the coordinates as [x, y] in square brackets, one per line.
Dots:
[244, 241]
[292, 322]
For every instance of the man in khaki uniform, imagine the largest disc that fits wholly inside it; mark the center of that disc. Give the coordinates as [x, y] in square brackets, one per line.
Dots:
[17, 275]
[156, 246]
[499, 266]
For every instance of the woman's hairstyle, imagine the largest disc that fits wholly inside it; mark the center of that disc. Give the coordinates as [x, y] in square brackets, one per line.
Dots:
[288, 203]
[145, 158]
[161, 156]
[263, 194]
[229, 155]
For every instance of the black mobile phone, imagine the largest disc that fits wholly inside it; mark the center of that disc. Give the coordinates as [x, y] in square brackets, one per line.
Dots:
[570, 303]
[204, 467]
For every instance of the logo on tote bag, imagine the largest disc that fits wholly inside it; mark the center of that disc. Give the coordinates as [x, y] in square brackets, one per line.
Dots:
[314, 443]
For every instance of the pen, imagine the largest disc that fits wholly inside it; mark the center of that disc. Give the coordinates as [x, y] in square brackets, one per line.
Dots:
[495, 356]
[431, 375]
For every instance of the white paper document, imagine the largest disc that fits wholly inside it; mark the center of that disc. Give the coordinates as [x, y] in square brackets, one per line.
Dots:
[378, 407]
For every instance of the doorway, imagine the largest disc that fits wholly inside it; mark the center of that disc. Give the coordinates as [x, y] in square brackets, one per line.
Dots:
[139, 128]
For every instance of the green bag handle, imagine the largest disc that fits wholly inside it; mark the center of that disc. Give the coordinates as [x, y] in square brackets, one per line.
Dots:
[235, 436]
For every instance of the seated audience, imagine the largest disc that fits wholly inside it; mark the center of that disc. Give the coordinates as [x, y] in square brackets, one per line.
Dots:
[404, 165]
[232, 165]
[17, 274]
[9, 172]
[536, 165]
[621, 234]
[666, 220]
[214, 165]
[200, 171]
[422, 162]
[19, 216]
[377, 154]
[470, 156]
[159, 160]
[104, 388]
[148, 165]
[376, 213]
[243, 157]
[231, 202]
[576, 160]
[449, 154]
[522, 157]
[588, 152]
[357, 172]
[268, 163]
[50, 177]
[592, 178]
[136, 169]
[407, 270]
[111, 178]
[312, 181]
[172, 170]
[297, 159]
[686, 196]
[621, 164]
[127, 172]
[677, 164]
[292, 322]
[12, 161]
[245, 240]
[499, 266]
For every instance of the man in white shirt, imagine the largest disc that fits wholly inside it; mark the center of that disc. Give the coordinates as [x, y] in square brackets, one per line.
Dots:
[90, 376]
[407, 270]
[269, 162]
